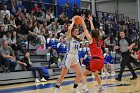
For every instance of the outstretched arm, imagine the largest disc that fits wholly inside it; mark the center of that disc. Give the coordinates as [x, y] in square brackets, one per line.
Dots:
[91, 23]
[90, 40]
[68, 33]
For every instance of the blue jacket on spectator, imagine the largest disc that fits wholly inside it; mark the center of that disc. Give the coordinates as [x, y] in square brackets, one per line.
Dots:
[82, 52]
[87, 60]
[62, 48]
[108, 59]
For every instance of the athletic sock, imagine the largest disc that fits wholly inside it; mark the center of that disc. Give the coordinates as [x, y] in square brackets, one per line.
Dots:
[57, 86]
[84, 86]
[75, 86]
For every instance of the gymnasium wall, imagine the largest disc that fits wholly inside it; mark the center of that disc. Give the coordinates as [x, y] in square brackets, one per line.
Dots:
[126, 7]
[107, 6]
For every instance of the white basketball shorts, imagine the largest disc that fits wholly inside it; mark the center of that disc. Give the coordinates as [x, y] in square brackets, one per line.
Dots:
[69, 60]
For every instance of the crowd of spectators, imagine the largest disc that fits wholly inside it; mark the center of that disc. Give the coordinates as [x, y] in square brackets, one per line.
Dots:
[18, 26]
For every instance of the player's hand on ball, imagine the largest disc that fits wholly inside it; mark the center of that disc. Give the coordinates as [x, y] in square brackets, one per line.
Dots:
[73, 20]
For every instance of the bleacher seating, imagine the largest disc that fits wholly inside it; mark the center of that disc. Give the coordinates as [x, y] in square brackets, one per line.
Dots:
[26, 76]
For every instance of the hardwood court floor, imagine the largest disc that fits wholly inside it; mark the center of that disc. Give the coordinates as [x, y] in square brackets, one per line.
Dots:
[110, 86]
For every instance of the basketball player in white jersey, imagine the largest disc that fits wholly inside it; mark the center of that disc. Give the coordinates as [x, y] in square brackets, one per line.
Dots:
[71, 58]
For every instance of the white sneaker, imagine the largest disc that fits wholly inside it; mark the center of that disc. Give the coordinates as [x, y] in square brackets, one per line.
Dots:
[37, 80]
[113, 73]
[103, 73]
[100, 87]
[107, 73]
[43, 80]
[75, 90]
[85, 91]
[83, 65]
[56, 90]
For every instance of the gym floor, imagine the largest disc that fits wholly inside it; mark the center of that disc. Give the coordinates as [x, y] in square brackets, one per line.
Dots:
[110, 85]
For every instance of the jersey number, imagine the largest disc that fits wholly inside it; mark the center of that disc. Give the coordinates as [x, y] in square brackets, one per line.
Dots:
[76, 47]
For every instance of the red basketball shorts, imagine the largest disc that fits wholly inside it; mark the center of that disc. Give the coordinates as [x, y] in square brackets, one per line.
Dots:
[95, 65]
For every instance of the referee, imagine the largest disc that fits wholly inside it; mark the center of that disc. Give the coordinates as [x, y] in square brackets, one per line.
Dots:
[125, 44]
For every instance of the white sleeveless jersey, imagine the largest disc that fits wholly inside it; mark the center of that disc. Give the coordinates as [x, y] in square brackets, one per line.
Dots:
[71, 57]
[73, 46]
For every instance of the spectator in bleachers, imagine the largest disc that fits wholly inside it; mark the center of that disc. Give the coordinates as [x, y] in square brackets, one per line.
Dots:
[108, 61]
[108, 43]
[13, 7]
[5, 11]
[53, 56]
[31, 14]
[8, 56]
[19, 13]
[36, 9]
[49, 13]
[101, 32]
[48, 17]
[26, 14]
[2, 32]
[20, 5]
[42, 39]
[138, 53]
[52, 41]
[15, 44]
[1, 19]
[41, 13]
[61, 48]
[87, 58]
[29, 31]
[46, 33]
[28, 65]
[61, 19]
[12, 26]
[81, 53]
[58, 27]
[13, 41]
[6, 19]
[7, 37]
[67, 20]
[55, 41]
[36, 28]
[19, 23]
[86, 48]
[52, 27]
[64, 29]
[75, 9]
[49, 40]
[133, 57]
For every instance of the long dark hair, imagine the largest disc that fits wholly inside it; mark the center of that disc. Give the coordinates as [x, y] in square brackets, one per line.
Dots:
[95, 34]
[12, 36]
[75, 37]
[25, 52]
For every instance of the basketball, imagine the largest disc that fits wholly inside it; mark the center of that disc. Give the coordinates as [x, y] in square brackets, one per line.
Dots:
[78, 20]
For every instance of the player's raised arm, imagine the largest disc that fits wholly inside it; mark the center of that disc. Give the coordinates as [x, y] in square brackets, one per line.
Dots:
[68, 33]
[91, 23]
[90, 40]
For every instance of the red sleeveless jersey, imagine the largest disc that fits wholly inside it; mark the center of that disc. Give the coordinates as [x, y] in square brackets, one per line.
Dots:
[95, 50]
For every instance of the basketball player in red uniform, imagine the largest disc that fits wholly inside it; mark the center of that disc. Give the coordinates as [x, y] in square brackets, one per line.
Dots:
[97, 62]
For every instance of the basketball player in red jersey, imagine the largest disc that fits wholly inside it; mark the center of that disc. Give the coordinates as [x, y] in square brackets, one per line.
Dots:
[97, 62]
